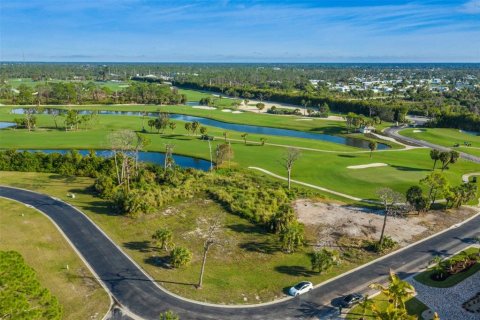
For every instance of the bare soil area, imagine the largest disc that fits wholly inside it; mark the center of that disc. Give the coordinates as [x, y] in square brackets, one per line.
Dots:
[334, 220]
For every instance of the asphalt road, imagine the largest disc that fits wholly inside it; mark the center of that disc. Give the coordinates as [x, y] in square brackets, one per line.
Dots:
[393, 133]
[131, 288]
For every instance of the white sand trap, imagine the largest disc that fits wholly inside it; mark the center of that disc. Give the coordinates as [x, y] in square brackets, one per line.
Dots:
[370, 165]
[237, 112]
[304, 119]
[417, 131]
[226, 110]
[204, 107]
[124, 86]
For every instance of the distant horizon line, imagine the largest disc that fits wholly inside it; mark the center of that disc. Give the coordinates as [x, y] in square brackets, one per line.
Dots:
[241, 62]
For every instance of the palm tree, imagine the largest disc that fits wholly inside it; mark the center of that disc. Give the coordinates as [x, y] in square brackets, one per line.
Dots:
[397, 291]
[373, 146]
[172, 125]
[180, 256]
[282, 219]
[324, 259]
[188, 127]
[438, 268]
[195, 125]
[435, 156]
[366, 305]
[244, 136]
[163, 238]
[292, 237]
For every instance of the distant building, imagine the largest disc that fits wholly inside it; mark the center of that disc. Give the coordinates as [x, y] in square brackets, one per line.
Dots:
[367, 129]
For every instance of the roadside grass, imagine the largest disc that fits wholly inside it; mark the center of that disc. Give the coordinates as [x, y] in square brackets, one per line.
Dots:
[424, 277]
[413, 305]
[326, 169]
[247, 267]
[44, 249]
[446, 137]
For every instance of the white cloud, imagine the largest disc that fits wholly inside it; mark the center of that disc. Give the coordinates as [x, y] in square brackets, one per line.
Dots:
[471, 7]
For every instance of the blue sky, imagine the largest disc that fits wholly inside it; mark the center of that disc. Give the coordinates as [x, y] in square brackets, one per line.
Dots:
[240, 31]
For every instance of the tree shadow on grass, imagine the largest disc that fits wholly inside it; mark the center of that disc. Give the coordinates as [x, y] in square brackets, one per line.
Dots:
[157, 261]
[67, 179]
[403, 168]
[296, 271]
[245, 228]
[142, 246]
[266, 247]
[346, 156]
[100, 207]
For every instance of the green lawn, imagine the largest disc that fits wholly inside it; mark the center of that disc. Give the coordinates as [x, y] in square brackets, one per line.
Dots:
[247, 264]
[316, 125]
[424, 277]
[446, 137]
[414, 307]
[45, 250]
[327, 169]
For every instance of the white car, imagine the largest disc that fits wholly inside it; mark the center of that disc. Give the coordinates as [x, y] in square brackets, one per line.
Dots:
[300, 288]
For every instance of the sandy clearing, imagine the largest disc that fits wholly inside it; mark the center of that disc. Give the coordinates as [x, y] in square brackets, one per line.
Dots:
[466, 176]
[268, 104]
[204, 107]
[370, 165]
[332, 220]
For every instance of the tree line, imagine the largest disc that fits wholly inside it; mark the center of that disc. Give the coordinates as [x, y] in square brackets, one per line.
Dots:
[50, 93]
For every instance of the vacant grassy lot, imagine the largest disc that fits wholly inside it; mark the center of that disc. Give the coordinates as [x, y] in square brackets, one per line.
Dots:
[414, 307]
[58, 267]
[424, 277]
[246, 268]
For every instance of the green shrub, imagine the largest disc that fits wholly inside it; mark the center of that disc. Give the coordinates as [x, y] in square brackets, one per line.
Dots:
[21, 294]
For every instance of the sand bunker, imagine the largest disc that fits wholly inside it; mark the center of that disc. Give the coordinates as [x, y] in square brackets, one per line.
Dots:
[226, 110]
[417, 131]
[304, 119]
[370, 165]
[204, 107]
[237, 112]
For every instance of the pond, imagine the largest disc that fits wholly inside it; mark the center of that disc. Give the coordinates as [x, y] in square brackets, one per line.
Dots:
[353, 142]
[4, 125]
[151, 157]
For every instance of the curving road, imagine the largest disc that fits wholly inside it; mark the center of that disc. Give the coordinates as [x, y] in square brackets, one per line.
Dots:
[393, 132]
[135, 291]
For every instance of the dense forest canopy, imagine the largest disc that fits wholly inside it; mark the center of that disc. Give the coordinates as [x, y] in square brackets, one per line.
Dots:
[445, 92]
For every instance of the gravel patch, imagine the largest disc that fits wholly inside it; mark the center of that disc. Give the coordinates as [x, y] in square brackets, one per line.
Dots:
[447, 302]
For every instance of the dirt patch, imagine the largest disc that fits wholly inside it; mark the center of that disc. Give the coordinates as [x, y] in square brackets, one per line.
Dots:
[333, 220]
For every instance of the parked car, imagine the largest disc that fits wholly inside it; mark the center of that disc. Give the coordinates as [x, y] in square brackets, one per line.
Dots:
[300, 288]
[351, 299]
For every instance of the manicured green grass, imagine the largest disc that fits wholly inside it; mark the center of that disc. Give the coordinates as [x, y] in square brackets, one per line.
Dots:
[326, 169]
[247, 264]
[43, 247]
[414, 307]
[267, 120]
[424, 277]
[446, 137]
